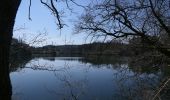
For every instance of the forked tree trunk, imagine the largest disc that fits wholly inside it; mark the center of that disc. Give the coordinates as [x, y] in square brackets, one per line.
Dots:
[8, 10]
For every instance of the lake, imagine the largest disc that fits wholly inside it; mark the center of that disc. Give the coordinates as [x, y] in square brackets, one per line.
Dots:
[78, 78]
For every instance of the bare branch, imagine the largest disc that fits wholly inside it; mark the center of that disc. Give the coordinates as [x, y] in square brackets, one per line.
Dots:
[159, 19]
[29, 14]
[54, 10]
[125, 34]
[77, 4]
[121, 19]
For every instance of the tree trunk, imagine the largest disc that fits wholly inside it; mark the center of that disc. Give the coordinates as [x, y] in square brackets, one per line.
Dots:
[5, 84]
[8, 10]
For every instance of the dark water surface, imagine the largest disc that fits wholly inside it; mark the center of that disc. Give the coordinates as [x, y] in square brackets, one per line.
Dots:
[76, 78]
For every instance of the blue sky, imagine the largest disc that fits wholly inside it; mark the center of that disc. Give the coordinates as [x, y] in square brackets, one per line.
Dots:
[42, 21]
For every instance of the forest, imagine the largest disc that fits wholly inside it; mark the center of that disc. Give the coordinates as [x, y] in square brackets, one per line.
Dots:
[126, 57]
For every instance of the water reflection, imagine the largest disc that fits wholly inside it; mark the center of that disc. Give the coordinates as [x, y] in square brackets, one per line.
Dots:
[18, 64]
[77, 78]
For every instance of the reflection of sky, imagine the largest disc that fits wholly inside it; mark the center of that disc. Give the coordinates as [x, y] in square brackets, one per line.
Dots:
[42, 19]
[104, 83]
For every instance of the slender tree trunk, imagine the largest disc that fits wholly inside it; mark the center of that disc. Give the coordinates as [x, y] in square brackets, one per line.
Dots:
[8, 10]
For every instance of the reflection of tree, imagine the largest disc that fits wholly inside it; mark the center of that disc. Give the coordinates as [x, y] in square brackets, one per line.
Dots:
[130, 84]
[75, 88]
[150, 65]
[49, 58]
[62, 58]
[72, 89]
[15, 64]
[135, 86]
[98, 60]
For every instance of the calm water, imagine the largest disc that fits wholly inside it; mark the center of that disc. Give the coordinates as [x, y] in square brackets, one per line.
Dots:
[76, 78]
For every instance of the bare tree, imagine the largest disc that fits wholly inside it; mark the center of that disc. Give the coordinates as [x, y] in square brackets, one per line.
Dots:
[147, 19]
[8, 11]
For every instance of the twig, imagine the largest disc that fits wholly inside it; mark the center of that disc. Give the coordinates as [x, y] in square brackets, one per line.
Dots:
[161, 88]
[29, 14]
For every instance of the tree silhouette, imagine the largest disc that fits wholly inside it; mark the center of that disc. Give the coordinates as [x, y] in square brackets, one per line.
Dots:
[147, 19]
[8, 11]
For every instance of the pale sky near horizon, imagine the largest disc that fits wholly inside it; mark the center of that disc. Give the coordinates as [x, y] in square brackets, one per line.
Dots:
[42, 20]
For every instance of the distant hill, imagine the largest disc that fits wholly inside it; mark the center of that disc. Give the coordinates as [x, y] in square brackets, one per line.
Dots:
[84, 49]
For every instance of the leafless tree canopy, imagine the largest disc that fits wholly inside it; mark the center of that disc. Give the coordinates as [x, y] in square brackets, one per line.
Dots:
[148, 19]
[52, 5]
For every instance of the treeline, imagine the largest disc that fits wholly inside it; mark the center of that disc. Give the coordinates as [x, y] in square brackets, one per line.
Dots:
[134, 47]
[20, 54]
[138, 53]
[19, 49]
[96, 48]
